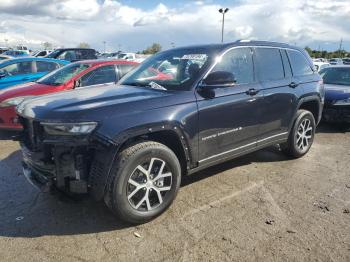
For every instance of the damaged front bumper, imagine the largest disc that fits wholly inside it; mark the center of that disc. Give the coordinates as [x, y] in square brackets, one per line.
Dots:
[75, 165]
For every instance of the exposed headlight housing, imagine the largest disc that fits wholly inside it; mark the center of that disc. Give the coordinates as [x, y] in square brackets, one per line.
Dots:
[14, 101]
[69, 129]
[343, 102]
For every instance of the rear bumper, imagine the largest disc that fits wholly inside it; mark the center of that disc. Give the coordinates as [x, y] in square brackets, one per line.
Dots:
[337, 114]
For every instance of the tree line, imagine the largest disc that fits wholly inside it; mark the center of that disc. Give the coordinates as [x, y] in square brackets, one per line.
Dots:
[327, 54]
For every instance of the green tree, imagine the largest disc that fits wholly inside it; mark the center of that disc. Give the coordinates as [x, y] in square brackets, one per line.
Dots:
[83, 45]
[47, 46]
[154, 48]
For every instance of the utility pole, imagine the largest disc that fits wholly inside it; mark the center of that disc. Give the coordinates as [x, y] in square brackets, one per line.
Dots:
[340, 47]
[104, 46]
[223, 12]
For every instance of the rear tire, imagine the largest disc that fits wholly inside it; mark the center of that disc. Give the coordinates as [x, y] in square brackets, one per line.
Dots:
[145, 180]
[301, 135]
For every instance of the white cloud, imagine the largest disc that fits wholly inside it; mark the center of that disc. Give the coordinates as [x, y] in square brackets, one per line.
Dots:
[69, 22]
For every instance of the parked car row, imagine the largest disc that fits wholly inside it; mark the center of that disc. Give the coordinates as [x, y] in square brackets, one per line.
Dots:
[72, 76]
[21, 70]
[180, 111]
[337, 98]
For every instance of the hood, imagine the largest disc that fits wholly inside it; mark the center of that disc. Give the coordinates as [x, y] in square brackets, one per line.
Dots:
[27, 89]
[93, 103]
[336, 92]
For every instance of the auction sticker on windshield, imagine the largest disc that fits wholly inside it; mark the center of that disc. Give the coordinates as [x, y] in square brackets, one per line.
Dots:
[195, 56]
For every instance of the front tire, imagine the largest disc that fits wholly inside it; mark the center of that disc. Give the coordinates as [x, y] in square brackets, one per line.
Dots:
[145, 180]
[301, 135]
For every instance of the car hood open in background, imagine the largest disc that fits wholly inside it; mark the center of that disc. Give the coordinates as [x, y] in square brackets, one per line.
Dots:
[92, 103]
[336, 92]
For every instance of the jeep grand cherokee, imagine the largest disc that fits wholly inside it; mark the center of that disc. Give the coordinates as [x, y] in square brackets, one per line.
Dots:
[130, 145]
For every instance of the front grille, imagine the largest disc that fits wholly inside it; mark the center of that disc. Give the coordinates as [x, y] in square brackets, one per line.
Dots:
[32, 133]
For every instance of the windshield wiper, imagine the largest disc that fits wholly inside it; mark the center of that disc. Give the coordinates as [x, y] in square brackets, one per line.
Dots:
[152, 85]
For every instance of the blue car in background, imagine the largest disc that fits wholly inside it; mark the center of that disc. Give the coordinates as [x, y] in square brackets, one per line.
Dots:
[27, 69]
[337, 97]
[16, 53]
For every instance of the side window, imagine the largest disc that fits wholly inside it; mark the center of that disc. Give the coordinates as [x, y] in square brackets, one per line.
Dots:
[43, 66]
[124, 69]
[300, 65]
[87, 54]
[286, 64]
[269, 64]
[238, 61]
[42, 53]
[20, 68]
[68, 55]
[101, 75]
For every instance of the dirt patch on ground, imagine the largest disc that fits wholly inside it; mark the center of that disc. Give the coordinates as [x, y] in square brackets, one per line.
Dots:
[261, 207]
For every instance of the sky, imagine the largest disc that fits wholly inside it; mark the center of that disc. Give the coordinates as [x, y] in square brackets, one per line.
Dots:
[133, 25]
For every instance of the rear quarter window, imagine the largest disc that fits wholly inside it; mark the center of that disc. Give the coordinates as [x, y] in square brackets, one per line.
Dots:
[299, 63]
[269, 64]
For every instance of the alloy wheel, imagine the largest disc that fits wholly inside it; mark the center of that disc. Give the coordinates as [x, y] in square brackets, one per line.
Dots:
[149, 184]
[304, 135]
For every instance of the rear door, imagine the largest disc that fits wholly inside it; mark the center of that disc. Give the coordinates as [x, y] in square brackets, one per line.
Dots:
[280, 97]
[16, 73]
[229, 118]
[41, 68]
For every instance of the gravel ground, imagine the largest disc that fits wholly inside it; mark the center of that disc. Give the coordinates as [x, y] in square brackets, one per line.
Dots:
[260, 207]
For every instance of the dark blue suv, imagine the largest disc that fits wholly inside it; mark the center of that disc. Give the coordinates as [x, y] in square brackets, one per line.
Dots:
[180, 111]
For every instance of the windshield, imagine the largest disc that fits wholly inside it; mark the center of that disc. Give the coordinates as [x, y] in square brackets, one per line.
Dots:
[62, 75]
[336, 75]
[170, 70]
[54, 53]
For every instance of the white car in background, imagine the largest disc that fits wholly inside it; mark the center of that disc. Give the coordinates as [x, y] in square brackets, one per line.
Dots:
[324, 60]
[321, 65]
[41, 53]
[336, 61]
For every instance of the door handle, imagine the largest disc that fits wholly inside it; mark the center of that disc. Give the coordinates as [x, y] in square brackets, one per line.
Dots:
[293, 84]
[252, 92]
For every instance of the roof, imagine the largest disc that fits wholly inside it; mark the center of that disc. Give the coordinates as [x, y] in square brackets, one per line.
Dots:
[339, 66]
[74, 48]
[30, 58]
[220, 47]
[105, 61]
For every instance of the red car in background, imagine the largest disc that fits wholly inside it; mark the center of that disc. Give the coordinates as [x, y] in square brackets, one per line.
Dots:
[75, 75]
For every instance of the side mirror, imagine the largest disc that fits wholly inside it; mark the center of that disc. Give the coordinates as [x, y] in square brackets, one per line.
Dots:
[77, 83]
[220, 78]
[3, 74]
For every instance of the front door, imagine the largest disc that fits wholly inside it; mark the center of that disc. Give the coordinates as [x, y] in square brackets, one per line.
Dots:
[229, 118]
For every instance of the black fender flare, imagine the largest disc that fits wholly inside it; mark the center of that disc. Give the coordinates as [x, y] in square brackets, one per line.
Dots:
[98, 182]
[302, 100]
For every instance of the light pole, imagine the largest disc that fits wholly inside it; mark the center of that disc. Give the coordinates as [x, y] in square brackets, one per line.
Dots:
[104, 46]
[223, 12]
